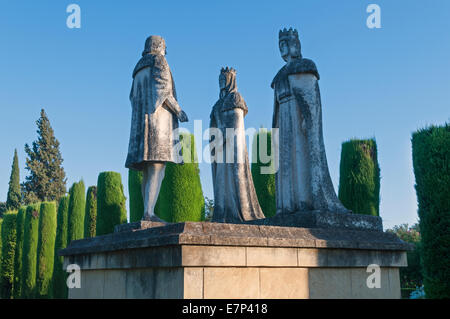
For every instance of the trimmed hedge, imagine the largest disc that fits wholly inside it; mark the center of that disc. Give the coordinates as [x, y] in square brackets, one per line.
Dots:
[8, 238]
[77, 210]
[18, 256]
[90, 219]
[264, 183]
[60, 289]
[30, 243]
[431, 162]
[135, 195]
[359, 180]
[1, 245]
[46, 250]
[111, 209]
[181, 196]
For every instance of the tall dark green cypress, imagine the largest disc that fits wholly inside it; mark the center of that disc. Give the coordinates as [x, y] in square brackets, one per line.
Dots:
[135, 195]
[359, 180]
[46, 250]
[18, 256]
[46, 180]
[181, 196]
[264, 183]
[77, 210]
[59, 274]
[14, 198]
[1, 243]
[30, 242]
[111, 209]
[431, 162]
[8, 238]
[90, 219]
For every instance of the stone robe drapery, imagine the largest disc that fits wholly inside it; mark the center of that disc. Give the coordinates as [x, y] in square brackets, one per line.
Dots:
[152, 138]
[303, 180]
[235, 197]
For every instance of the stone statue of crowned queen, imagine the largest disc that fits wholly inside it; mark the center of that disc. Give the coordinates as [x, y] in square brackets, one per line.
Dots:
[303, 181]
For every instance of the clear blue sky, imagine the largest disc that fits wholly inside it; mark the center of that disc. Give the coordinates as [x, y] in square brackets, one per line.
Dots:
[382, 83]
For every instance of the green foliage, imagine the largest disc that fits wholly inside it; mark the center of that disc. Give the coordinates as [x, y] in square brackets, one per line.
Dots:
[8, 237]
[411, 276]
[431, 162]
[111, 209]
[14, 195]
[181, 196]
[264, 183]
[59, 275]
[46, 250]
[209, 209]
[90, 219]
[1, 245]
[135, 195]
[46, 180]
[3, 209]
[30, 243]
[18, 256]
[359, 181]
[77, 210]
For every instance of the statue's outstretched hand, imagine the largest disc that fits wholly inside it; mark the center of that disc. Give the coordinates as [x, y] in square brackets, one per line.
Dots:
[183, 117]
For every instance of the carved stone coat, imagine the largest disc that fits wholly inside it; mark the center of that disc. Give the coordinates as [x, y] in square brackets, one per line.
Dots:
[152, 124]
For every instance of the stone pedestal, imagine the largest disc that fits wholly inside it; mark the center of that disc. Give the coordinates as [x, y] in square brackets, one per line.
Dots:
[211, 260]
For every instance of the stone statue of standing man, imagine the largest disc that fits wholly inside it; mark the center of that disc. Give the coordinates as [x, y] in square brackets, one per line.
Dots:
[155, 116]
[303, 181]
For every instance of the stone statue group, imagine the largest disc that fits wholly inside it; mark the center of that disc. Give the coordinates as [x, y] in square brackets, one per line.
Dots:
[302, 182]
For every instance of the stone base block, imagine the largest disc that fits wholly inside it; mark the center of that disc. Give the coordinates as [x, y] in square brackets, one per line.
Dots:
[208, 260]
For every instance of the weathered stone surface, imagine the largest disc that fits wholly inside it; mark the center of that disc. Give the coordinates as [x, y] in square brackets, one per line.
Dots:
[323, 219]
[140, 225]
[284, 283]
[271, 256]
[219, 234]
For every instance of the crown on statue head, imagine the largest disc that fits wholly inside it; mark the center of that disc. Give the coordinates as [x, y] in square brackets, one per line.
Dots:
[288, 34]
[228, 70]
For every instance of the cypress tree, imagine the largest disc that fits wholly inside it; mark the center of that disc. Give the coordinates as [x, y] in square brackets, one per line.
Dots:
[77, 210]
[46, 180]
[18, 256]
[14, 195]
[111, 209]
[59, 274]
[181, 196]
[8, 238]
[2, 208]
[46, 250]
[1, 244]
[431, 163]
[30, 242]
[264, 183]
[91, 212]
[135, 195]
[359, 180]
